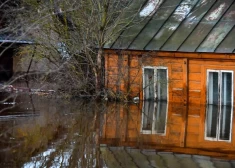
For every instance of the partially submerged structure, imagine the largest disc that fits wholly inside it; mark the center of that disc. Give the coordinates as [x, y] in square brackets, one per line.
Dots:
[180, 51]
[8, 48]
[10, 38]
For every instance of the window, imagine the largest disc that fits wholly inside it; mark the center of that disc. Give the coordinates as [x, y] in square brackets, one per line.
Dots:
[154, 117]
[218, 123]
[220, 87]
[155, 83]
[219, 105]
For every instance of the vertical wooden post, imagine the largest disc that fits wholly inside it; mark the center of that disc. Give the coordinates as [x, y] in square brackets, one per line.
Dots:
[123, 76]
[119, 73]
[185, 81]
[128, 75]
[185, 113]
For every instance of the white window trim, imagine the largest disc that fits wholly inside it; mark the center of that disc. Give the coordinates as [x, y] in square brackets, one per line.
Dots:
[231, 118]
[155, 68]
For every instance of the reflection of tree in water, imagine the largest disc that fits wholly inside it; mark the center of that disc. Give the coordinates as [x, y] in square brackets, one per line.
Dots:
[63, 134]
[81, 134]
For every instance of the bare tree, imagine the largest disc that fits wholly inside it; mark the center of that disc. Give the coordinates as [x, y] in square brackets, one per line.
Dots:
[70, 36]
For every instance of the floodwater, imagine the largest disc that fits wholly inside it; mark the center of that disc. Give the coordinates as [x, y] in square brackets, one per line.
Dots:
[38, 131]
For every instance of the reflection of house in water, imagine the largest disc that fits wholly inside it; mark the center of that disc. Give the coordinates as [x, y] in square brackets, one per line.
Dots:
[198, 130]
[218, 124]
[154, 117]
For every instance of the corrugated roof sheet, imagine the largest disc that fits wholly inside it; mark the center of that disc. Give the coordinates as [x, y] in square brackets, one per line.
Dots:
[181, 25]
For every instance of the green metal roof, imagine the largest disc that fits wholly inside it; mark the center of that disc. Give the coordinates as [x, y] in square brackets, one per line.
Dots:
[181, 25]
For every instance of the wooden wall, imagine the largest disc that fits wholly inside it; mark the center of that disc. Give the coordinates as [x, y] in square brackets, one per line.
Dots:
[124, 74]
[198, 76]
[186, 72]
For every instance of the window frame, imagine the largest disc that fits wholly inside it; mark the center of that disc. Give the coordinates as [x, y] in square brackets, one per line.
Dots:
[220, 72]
[155, 68]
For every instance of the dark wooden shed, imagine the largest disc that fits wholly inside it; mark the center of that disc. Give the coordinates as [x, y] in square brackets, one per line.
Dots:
[8, 48]
[10, 37]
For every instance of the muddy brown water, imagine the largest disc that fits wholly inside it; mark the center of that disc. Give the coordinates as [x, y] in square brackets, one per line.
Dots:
[36, 131]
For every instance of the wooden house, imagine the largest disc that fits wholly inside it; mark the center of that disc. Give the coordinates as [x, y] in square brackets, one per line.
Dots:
[177, 50]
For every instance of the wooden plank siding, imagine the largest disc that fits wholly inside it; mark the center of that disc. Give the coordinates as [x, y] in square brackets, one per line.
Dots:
[116, 80]
[187, 86]
[186, 72]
